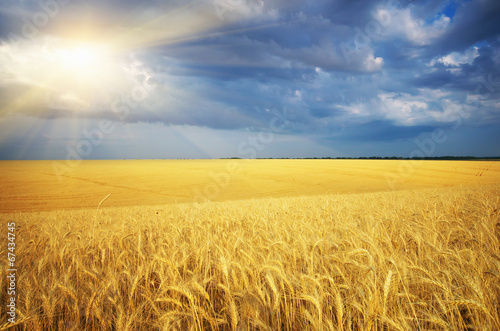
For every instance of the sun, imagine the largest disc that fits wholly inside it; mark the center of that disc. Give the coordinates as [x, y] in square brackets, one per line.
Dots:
[83, 60]
[64, 74]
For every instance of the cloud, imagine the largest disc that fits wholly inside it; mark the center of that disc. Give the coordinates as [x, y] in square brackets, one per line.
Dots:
[237, 10]
[427, 107]
[345, 69]
[413, 29]
[48, 75]
[455, 59]
[326, 57]
[474, 21]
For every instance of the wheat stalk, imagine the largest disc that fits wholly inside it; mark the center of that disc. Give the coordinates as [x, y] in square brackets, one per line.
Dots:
[317, 305]
[387, 289]
[8, 325]
[95, 216]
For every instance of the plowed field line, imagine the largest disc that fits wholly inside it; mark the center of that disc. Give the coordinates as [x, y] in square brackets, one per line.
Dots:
[97, 182]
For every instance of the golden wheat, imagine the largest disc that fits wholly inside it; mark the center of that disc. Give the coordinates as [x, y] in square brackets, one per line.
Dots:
[411, 259]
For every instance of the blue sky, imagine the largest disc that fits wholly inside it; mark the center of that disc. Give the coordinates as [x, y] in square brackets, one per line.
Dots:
[248, 78]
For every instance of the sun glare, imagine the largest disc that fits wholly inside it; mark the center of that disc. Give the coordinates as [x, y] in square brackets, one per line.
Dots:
[83, 59]
[65, 74]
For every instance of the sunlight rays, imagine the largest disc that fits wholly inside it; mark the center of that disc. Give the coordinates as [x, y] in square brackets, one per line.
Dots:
[76, 73]
[71, 74]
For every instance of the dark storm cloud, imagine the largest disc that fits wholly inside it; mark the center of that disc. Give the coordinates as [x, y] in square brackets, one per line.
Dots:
[381, 130]
[474, 21]
[484, 70]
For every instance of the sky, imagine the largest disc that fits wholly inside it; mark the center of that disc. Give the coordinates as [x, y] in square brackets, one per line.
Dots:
[248, 78]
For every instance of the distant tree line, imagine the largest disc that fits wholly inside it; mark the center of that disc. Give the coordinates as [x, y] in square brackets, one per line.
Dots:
[452, 158]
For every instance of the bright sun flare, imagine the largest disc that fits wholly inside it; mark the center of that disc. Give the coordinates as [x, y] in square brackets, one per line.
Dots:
[83, 59]
[65, 74]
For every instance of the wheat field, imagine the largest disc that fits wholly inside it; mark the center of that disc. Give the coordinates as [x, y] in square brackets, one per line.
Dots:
[41, 185]
[423, 256]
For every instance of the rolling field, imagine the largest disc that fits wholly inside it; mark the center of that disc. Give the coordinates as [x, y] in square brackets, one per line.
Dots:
[37, 186]
[253, 245]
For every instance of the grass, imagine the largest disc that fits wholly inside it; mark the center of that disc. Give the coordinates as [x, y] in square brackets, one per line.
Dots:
[419, 259]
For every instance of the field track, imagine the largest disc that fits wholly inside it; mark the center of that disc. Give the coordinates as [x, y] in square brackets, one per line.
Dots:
[36, 186]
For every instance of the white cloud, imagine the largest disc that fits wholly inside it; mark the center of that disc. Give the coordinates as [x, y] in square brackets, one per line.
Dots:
[416, 30]
[403, 109]
[483, 101]
[372, 63]
[327, 57]
[456, 59]
[430, 106]
[234, 10]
